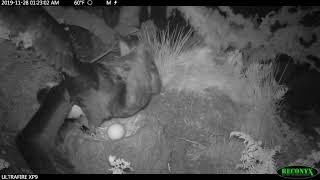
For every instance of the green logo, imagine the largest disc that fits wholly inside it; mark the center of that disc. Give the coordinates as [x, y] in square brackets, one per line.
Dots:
[297, 172]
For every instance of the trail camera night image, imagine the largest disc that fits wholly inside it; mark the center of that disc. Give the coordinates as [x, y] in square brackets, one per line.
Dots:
[111, 88]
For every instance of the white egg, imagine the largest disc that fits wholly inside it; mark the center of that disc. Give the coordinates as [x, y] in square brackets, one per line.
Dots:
[116, 131]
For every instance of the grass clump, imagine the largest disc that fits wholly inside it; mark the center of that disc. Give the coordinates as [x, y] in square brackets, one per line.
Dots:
[167, 45]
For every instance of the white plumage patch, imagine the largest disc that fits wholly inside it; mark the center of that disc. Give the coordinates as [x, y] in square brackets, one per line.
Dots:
[75, 112]
[51, 84]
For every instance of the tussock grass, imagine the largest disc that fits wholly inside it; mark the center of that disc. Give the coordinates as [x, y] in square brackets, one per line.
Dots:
[264, 94]
[167, 45]
[184, 67]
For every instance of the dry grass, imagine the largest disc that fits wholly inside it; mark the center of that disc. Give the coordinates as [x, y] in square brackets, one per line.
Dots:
[199, 128]
[223, 156]
[194, 70]
[263, 117]
[167, 45]
[263, 120]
